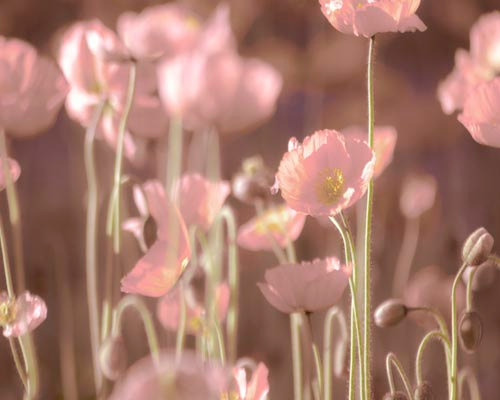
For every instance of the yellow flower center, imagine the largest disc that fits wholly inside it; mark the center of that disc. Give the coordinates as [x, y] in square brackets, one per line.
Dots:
[272, 221]
[229, 396]
[7, 312]
[330, 186]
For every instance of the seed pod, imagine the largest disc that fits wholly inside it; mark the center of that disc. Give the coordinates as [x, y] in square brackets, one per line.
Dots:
[113, 357]
[424, 392]
[398, 395]
[470, 331]
[341, 359]
[391, 312]
[477, 247]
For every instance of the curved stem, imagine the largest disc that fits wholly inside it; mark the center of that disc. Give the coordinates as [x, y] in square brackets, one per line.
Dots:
[454, 333]
[469, 289]
[406, 256]
[131, 301]
[425, 341]
[390, 361]
[91, 241]
[466, 375]
[368, 228]
[17, 362]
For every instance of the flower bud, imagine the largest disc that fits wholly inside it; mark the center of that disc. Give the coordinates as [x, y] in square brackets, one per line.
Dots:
[424, 391]
[470, 331]
[398, 395]
[341, 359]
[250, 189]
[113, 357]
[477, 247]
[391, 312]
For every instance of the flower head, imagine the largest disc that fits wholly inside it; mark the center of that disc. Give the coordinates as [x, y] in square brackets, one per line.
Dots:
[164, 262]
[255, 389]
[280, 224]
[32, 89]
[309, 286]
[21, 315]
[325, 174]
[368, 17]
[14, 172]
[417, 195]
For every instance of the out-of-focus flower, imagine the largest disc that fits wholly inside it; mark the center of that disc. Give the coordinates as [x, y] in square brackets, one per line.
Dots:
[368, 17]
[21, 315]
[32, 89]
[384, 142]
[186, 379]
[308, 286]
[280, 224]
[161, 30]
[417, 195]
[14, 171]
[199, 199]
[164, 262]
[481, 114]
[169, 309]
[93, 78]
[325, 174]
[480, 65]
[391, 312]
[256, 389]
[211, 85]
[252, 184]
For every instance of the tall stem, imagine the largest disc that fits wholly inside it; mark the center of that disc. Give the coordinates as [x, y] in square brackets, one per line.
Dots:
[174, 153]
[406, 255]
[391, 361]
[295, 327]
[368, 227]
[91, 241]
[427, 338]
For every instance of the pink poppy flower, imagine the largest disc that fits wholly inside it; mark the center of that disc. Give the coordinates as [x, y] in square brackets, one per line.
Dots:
[280, 224]
[186, 379]
[485, 43]
[325, 174]
[94, 76]
[169, 306]
[258, 386]
[14, 170]
[22, 315]
[33, 89]
[211, 85]
[368, 17]
[417, 195]
[481, 114]
[161, 30]
[384, 142]
[164, 262]
[308, 286]
[199, 199]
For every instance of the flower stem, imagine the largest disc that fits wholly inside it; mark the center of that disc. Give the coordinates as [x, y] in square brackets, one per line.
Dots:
[469, 289]
[174, 153]
[181, 330]
[427, 338]
[368, 227]
[466, 375]
[91, 240]
[390, 361]
[295, 327]
[315, 353]
[406, 256]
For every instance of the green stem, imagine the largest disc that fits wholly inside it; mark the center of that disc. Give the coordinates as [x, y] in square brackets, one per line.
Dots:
[181, 330]
[91, 241]
[17, 362]
[469, 289]
[220, 342]
[333, 313]
[174, 153]
[368, 227]
[427, 338]
[466, 375]
[406, 256]
[315, 353]
[295, 327]
[454, 333]
[390, 361]
[131, 301]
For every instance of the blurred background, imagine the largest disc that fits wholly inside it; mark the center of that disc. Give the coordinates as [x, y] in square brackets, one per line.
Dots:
[324, 87]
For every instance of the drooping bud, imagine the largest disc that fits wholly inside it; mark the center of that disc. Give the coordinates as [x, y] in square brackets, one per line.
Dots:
[113, 357]
[397, 395]
[341, 359]
[470, 331]
[424, 392]
[391, 312]
[477, 247]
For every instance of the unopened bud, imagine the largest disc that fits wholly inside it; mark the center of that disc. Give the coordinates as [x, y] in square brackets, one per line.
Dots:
[391, 312]
[250, 189]
[341, 360]
[113, 357]
[424, 391]
[477, 247]
[470, 331]
[398, 395]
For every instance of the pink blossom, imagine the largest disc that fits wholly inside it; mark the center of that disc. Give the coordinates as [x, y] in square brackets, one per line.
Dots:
[368, 17]
[280, 224]
[186, 379]
[485, 43]
[258, 386]
[199, 199]
[14, 171]
[326, 173]
[169, 306]
[164, 262]
[417, 195]
[481, 114]
[22, 315]
[384, 142]
[309, 286]
[32, 89]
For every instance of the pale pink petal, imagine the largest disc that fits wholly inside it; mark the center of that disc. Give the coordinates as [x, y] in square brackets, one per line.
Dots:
[485, 42]
[169, 312]
[371, 20]
[147, 117]
[14, 171]
[418, 195]
[30, 312]
[258, 387]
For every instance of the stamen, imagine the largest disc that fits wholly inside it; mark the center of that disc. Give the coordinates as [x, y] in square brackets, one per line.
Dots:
[7, 312]
[330, 186]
